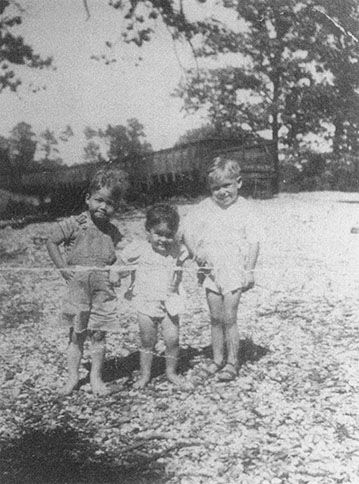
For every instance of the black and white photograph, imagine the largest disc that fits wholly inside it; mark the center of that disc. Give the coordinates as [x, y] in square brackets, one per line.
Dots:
[179, 241]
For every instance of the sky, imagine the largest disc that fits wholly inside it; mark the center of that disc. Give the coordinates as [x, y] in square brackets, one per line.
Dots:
[85, 92]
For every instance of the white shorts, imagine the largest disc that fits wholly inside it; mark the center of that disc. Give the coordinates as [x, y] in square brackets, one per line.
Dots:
[210, 284]
[173, 305]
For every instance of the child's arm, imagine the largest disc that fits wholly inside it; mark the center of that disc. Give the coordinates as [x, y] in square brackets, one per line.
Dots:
[178, 272]
[191, 243]
[255, 235]
[127, 256]
[250, 265]
[117, 272]
[57, 258]
[63, 232]
[129, 292]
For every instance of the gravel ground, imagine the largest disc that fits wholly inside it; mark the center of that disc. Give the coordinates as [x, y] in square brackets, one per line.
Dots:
[290, 417]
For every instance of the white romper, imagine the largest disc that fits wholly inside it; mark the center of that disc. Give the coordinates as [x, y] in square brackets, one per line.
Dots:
[222, 237]
[155, 273]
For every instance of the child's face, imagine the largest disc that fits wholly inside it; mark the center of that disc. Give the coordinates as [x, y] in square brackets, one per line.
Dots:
[224, 189]
[161, 237]
[101, 204]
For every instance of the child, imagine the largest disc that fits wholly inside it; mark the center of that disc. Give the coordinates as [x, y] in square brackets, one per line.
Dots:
[90, 305]
[222, 233]
[155, 286]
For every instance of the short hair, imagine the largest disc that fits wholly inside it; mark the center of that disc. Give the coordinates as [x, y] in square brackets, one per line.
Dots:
[223, 164]
[162, 213]
[115, 180]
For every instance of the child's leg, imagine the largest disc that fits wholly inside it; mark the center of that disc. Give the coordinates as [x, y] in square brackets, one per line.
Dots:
[148, 334]
[170, 331]
[230, 306]
[215, 304]
[74, 355]
[98, 339]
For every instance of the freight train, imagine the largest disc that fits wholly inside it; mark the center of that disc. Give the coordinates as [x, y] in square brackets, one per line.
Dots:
[157, 175]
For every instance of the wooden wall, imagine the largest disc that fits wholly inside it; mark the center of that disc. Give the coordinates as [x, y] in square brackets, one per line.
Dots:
[165, 172]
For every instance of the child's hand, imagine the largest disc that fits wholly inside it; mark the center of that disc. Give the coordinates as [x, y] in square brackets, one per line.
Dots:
[67, 274]
[202, 273]
[129, 293]
[201, 260]
[114, 276]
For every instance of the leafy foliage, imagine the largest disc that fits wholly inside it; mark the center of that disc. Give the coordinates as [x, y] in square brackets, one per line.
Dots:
[22, 147]
[289, 70]
[48, 151]
[142, 19]
[204, 132]
[122, 142]
[209, 131]
[13, 49]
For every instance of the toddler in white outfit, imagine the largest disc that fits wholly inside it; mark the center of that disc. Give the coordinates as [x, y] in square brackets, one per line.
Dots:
[155, 286]
[223, 235]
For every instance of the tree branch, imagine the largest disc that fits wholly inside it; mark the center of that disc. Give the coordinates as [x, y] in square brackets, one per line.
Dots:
[87, 10]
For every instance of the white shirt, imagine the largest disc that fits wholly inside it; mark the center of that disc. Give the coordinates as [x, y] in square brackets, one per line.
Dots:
[222, 237]
[155, 272]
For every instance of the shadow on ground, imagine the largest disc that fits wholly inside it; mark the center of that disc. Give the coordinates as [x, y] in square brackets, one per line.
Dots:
[117, 367]
[61, 455]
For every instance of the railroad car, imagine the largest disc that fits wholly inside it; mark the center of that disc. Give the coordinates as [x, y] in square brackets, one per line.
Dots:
[160, 174]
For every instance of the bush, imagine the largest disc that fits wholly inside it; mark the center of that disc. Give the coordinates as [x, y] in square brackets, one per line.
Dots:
[4, 201]
[319, 171]
[14, 205]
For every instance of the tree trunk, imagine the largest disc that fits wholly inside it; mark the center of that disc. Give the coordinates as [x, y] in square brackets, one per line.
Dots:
[338, 135]
[275, 130]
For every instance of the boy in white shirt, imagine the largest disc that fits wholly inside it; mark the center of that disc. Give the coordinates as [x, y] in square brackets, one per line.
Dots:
[222, 234]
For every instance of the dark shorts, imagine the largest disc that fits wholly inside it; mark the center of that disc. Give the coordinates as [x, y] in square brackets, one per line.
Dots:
[90, 303]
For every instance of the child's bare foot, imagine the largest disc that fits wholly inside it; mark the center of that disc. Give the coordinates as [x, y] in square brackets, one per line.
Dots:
[102, 390]
[141, 382]
[70, 386]
[175, 379]
[214, 367]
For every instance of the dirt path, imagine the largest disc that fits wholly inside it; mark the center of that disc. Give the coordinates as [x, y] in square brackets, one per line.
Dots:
[290, 417]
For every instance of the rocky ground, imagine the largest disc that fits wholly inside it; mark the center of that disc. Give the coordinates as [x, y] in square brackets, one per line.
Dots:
[290, 417]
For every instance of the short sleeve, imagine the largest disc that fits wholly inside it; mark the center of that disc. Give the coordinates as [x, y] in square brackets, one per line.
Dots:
[64, 231]
[132, 252]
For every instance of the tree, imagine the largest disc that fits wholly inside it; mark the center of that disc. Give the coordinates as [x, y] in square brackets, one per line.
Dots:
[274, 83]
[6, 170]
[204, 132]
[208, 131]
[48, 152]
[92, 152]
[341, 21]
[126, 141]
[66, 134]
[22, 147]
[13, 49]
[123, 142]
[142, 20]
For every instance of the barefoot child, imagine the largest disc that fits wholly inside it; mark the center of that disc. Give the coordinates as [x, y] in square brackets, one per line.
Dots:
[223, 234]
[155, 286]
[90, 305]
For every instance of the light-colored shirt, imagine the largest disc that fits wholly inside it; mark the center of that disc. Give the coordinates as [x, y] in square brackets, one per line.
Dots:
[222, 237]
[155, 273]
